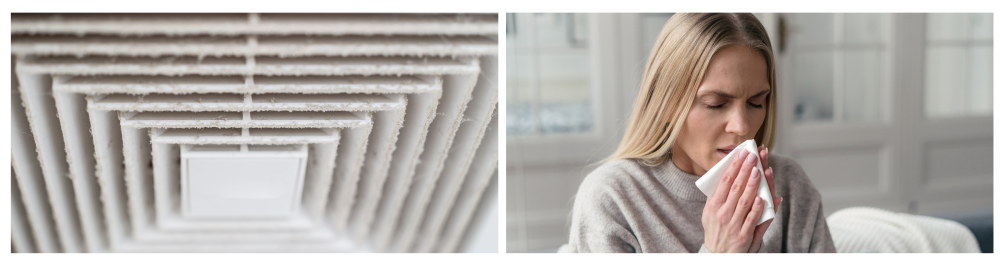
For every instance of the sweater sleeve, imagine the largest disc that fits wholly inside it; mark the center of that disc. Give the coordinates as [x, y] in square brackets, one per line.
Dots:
[598, 223]
[704, 249]
[805, 223]
[822, 242]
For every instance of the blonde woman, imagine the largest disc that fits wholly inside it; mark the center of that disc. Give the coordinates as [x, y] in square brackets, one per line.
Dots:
[708, 87]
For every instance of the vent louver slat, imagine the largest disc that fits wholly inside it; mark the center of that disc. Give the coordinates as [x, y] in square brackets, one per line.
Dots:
[27, 170]
[80, 157]
[275, 24]
[260, 46]
[21, 239]
[467, 141]
[297, 66]
[389, 114]
[41, 112]
[481, 172]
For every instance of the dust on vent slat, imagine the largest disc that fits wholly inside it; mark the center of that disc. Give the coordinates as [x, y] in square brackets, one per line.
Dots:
[467, 141]
[236, 84]
[268, 45]
[40, 109]
[72, 109]
[268, 23]
[260, 102]
[409, 207]
[263, 65]
[29, 176]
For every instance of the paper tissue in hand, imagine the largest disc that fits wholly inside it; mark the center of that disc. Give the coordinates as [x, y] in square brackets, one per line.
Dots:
[710, 181]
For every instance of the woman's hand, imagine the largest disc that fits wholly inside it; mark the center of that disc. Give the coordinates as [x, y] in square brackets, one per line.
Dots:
[730, 218]
[769, 175]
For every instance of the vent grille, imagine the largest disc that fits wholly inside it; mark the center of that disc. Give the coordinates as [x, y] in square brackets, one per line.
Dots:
[395, 112]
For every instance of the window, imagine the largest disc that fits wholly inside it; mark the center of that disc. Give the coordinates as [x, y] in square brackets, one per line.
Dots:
[549, 74]
[840, 66]
[959, 65]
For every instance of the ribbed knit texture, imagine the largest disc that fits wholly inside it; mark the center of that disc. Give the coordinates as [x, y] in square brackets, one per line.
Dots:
[624, 206]
[873, 230]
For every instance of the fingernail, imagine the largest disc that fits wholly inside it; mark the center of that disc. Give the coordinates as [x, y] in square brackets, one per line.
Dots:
[754, 174]
[752, 159]
[743, 153]
[757, 201]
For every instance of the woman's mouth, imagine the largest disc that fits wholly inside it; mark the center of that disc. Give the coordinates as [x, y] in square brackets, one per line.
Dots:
[723, 152]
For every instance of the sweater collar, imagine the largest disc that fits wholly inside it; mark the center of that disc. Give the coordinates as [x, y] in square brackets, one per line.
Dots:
[678, 182]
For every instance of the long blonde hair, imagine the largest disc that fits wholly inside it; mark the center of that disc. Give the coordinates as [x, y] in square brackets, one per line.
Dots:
[676, 67]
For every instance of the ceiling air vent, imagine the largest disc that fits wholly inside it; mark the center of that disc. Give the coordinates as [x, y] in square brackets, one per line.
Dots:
[250, 132]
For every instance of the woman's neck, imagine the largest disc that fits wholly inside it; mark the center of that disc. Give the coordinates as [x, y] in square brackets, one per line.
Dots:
[684, 163]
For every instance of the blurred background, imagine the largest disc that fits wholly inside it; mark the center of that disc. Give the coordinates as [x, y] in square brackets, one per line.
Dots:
[892, 111]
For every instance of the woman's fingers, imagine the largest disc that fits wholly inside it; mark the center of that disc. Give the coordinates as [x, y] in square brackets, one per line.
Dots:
[748, 198]
[758, 236]
[763, 155]
[738, 186]
[768, 172]
[751, 219]
[769, 176]
[728, 177]
[758, 233]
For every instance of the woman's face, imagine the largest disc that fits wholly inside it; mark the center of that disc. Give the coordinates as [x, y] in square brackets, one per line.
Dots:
[729, 109]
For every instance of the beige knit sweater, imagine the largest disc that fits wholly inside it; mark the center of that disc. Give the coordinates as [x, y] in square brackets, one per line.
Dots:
[624, 206]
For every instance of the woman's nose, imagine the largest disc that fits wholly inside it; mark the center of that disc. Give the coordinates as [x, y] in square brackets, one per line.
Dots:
[737, 123]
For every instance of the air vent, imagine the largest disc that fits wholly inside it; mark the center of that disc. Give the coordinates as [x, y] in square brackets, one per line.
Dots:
[250, 132]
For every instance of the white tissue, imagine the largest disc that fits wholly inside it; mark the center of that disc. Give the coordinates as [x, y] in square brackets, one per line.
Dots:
[710, 181]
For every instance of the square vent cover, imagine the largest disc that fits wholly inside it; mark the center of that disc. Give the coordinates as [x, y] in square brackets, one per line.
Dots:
[237, 181]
